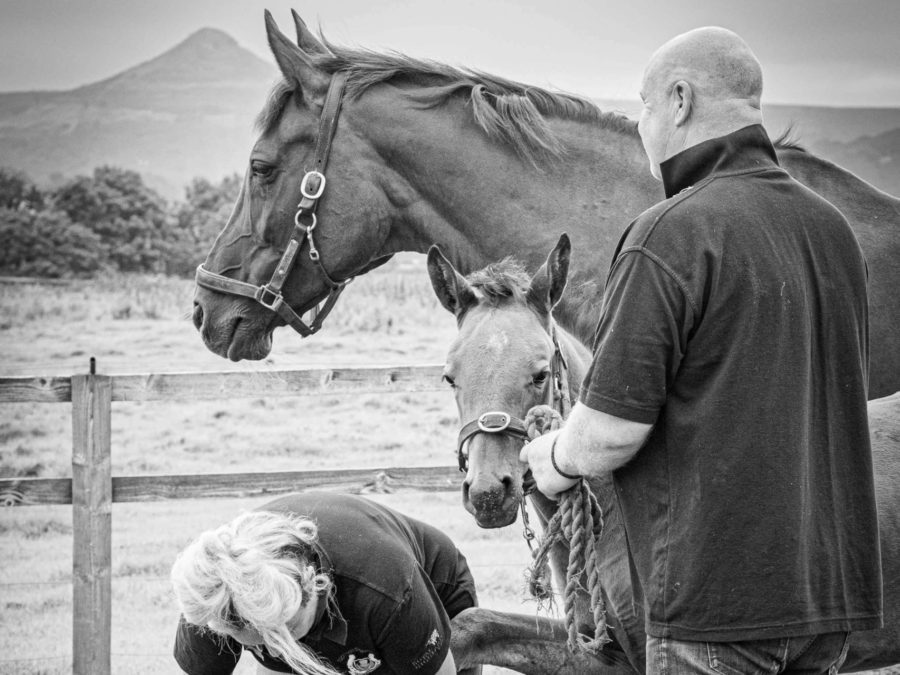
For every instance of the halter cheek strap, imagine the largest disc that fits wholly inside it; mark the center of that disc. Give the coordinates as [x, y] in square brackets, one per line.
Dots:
[499, 422]
[312, 186]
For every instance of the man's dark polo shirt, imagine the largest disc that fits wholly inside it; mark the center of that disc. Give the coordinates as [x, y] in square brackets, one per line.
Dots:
[397, 582]
[735, 319]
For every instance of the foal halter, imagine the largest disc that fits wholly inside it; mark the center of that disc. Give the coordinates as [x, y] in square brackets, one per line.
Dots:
[311, 187]
[499, 422]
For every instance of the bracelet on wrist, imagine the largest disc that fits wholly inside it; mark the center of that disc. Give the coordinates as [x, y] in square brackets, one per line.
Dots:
[555, 465]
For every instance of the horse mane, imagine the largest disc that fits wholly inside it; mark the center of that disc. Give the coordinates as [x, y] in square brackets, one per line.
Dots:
[501, 282]
[789, 140]
[509, 112]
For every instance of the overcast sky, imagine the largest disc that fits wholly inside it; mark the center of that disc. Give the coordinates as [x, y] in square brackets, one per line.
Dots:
[824, 52]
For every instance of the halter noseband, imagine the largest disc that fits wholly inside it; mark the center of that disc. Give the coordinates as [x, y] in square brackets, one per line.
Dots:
[311, 187]
[499, 422]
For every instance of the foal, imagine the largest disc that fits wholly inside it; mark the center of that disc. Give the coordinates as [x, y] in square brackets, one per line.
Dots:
[509, 356]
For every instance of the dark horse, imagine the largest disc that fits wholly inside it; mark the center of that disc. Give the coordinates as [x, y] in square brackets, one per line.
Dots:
[501, 360]
[424, 153]
[421, 153]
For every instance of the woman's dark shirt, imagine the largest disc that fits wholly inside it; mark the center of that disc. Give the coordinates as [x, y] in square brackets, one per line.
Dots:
[397, 582]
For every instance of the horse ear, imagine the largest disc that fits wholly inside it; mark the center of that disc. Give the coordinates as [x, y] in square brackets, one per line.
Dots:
[307, 42]
[295, 65]
[549, 282]
[451, 288]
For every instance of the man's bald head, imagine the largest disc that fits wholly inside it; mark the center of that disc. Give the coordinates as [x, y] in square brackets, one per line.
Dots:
[715, 61]
[700, 85]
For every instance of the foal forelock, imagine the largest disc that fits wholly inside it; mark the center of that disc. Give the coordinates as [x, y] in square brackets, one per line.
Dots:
[509, 112]
[501, 282]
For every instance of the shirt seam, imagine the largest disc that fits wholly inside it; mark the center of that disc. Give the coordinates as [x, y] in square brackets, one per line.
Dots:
[594, 396]
[665, 267]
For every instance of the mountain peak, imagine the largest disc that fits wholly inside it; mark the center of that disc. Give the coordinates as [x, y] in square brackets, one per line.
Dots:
[207, 39]
[207, 56]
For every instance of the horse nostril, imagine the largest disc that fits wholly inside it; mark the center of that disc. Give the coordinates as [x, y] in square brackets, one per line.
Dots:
[198, 315]
[465, 491]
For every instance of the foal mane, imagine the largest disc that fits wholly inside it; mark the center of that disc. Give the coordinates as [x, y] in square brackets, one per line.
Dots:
[509, 112]
[501, 282]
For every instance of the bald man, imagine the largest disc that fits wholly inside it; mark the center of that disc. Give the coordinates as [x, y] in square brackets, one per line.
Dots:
[728, 390]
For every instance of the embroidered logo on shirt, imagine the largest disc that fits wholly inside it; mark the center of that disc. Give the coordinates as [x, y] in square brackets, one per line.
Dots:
[363, 665]
[431, 648]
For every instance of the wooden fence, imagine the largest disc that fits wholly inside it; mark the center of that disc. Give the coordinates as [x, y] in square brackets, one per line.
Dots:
[93, 489]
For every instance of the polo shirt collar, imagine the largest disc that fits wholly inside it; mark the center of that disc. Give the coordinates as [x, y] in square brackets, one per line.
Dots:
[331, 626]
[743, 149]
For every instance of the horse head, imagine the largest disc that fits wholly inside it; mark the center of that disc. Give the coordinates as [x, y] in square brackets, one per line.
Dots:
[500, 365]
[282, 251]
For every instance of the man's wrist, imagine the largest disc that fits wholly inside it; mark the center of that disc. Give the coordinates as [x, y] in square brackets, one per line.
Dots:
[556, 465]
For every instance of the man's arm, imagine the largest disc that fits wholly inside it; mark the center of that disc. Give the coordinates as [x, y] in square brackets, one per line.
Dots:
[591, 443]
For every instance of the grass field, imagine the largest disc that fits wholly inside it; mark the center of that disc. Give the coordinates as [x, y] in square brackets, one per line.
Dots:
[141, 325]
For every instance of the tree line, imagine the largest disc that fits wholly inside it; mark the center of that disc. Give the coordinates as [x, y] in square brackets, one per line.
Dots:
[108, 221]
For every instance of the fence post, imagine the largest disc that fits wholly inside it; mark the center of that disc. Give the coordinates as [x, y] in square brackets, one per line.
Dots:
[91, 524]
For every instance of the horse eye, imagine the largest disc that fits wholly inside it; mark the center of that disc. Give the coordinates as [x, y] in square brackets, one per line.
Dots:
[449, 380]
[261, 169]
[540, 378]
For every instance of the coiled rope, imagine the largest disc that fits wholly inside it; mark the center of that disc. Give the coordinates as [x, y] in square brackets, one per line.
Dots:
[578, 522]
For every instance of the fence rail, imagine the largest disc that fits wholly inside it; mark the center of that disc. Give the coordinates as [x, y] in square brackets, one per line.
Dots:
[231, 384]
[93, 489]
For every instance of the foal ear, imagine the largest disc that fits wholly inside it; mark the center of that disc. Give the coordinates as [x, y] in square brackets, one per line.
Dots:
[307, 42]
[451, 288]
[295, 65]
[549, 282]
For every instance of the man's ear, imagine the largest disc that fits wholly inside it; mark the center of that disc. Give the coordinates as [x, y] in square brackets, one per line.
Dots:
[683, 102]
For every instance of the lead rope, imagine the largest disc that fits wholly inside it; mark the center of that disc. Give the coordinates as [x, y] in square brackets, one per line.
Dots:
[579, 522]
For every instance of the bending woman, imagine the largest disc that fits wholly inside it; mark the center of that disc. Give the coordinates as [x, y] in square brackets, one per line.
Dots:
[321, 583]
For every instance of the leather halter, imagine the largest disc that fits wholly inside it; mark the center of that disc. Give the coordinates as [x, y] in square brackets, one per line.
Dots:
[311, 187]
[499, 422]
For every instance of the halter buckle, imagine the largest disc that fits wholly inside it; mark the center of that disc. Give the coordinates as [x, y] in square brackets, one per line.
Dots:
[494, 422]
[264, 293]
[304, 185]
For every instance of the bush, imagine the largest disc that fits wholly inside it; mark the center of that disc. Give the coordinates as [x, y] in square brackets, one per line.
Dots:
[130, 219]
[108, 221]
[46, 244]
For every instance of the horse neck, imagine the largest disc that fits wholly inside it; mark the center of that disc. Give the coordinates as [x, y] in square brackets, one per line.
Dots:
[480, 201]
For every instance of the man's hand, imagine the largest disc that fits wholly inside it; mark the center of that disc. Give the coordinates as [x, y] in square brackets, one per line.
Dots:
[537, 454]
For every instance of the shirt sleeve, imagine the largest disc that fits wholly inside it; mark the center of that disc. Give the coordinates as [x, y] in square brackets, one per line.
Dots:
[200, 652]
[641, 337]
[416, 639]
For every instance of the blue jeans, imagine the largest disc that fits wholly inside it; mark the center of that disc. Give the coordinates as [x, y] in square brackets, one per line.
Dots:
[806, 655]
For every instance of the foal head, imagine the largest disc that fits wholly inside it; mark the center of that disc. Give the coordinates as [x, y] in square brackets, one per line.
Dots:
[500, 361]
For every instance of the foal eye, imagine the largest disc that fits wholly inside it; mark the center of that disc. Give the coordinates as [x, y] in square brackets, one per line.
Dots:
[449, 380]
[540, 378]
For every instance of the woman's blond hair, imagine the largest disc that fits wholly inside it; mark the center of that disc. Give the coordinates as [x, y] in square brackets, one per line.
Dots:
[255, 572]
